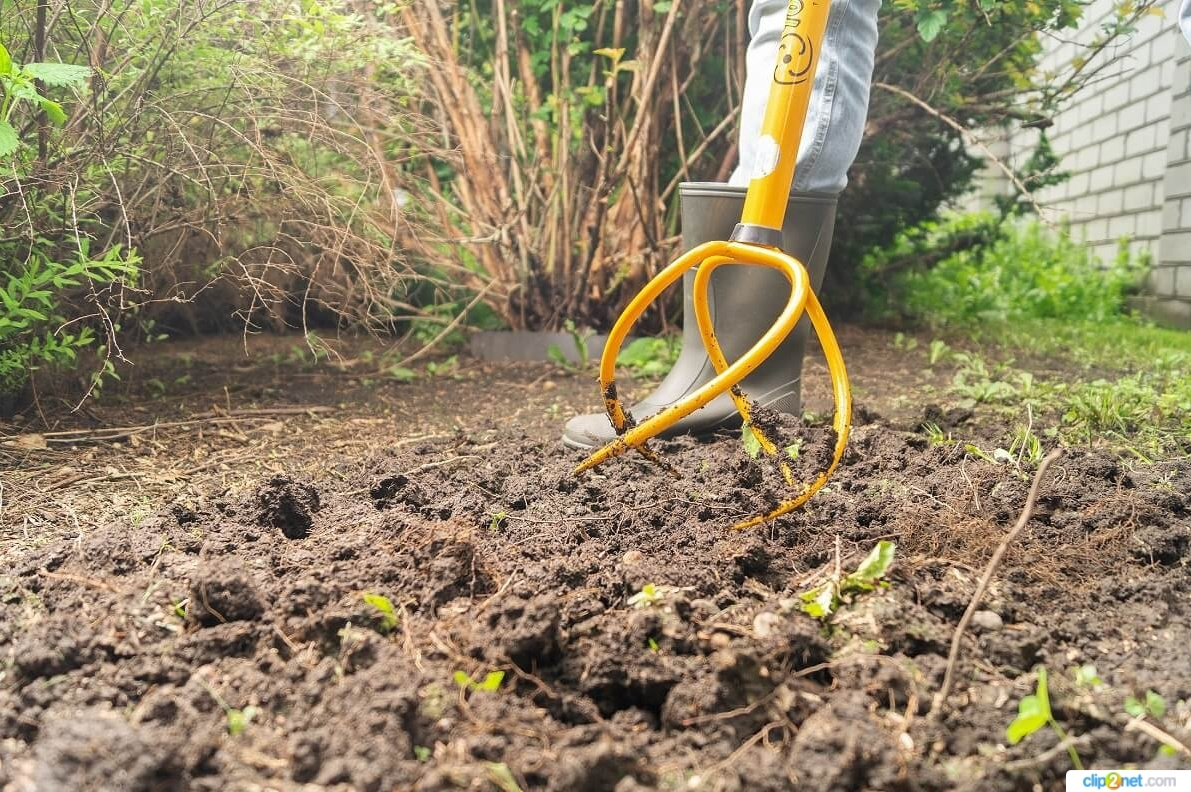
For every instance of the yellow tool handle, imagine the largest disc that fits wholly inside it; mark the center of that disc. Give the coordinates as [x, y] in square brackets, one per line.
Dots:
[785, 115]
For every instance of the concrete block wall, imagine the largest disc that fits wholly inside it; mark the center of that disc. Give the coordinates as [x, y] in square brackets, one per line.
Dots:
[1125, 142]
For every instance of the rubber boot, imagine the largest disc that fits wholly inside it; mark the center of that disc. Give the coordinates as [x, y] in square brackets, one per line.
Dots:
[745, 300]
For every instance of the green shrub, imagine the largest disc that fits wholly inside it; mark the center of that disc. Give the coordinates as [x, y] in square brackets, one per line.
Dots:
[34, 331]
[42, 324]
[974, 268]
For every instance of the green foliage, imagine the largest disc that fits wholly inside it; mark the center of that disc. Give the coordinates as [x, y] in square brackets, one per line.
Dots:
[975, 268]
[944, 68]
[1033, 714]
[1151, 704]
[388, 614]
[263, 184]
[18, 86]
[489, 684]
[823, 601]
[650, 595]
[650, 357]
[34, 327]
[238, 719]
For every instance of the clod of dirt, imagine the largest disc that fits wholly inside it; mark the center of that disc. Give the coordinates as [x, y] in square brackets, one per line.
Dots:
[600, 765]
[223, 591]
[287, 505]
[524, 631]
[392, 490]
[100, 752]
[839, 747]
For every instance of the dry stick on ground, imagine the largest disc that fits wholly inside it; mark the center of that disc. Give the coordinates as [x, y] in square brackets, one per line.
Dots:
[981, 587]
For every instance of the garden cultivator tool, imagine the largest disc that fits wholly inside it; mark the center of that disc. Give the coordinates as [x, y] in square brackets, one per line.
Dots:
[755, 241]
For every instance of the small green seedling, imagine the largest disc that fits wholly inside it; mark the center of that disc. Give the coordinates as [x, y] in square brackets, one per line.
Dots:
[489, 684]
[1086, 676]
[1033, 713]
[752, 444]
[650, 595]
[560, 358]
[500, 774]
[822, 601]
[1152, 704]
[238, 719]
[422, 753]
[388, 615]
[937, 352]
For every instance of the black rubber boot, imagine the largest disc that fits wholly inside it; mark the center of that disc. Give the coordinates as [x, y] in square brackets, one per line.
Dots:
[745, 300]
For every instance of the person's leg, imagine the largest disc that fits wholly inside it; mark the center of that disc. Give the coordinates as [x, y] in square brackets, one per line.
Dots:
[1185, 19]
[839, 103]
[746, 300]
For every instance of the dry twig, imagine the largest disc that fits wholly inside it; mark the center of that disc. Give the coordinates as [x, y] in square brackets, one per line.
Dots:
[986, 578]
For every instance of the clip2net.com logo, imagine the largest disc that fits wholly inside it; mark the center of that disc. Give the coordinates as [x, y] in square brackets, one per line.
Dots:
[1077, 780]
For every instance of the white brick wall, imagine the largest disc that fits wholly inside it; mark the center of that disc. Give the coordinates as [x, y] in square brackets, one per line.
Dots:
[1126, 142]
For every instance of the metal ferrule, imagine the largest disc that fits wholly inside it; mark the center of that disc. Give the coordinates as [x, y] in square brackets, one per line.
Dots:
[757, 235]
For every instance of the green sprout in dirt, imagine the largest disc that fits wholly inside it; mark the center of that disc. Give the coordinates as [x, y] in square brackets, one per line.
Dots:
[1034, 713]
[822, 601]
[1151, 705]
[500, 774]
[489, 684]
[752, 444]
[559, 357]
[388, 615]
[650, 595]
[237, 719]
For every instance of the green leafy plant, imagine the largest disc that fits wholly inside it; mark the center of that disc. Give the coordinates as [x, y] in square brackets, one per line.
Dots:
[388, 614]
[1034, 713]
[18, 85]
[650, 357]
[34, 295]
[650, 595]
[489, 684]
[1004, 270]
[579, 339]
[238, 719]
[1150, 704]
[823, 601]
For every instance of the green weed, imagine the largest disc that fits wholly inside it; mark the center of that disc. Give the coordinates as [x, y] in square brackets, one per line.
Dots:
[388, 614]
[1033, 714]
[823, 601]
[580, 340]
[1022, 270]
[650, 358]
[489, 684]
[1150, 704]
[650, 595]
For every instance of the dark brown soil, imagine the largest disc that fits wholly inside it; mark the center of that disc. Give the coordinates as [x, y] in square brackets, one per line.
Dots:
[222, 640]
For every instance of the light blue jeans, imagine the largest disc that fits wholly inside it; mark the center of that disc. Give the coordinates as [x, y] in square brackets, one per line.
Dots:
[839, 101]
[1185, 19]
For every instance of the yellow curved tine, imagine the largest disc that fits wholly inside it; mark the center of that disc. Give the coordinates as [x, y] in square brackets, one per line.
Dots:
[787, 265]
[842, 422]
[713, 254]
